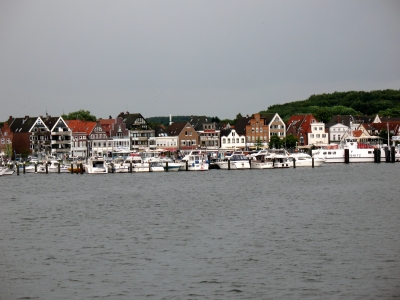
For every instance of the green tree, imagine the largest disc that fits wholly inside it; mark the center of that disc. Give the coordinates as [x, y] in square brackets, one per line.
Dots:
[8, 150]
[275, 142]
[83, 115]
[290, 141]
[384, 135]
[259, 144]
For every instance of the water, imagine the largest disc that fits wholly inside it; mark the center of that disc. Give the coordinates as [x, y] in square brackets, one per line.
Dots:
[325, 233]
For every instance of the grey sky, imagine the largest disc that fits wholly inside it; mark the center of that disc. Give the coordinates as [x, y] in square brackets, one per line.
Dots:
[215, 58]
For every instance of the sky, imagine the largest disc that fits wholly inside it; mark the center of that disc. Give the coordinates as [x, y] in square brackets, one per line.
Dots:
[213, 58]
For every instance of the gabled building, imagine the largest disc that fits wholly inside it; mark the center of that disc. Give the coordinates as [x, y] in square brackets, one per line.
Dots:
[162, 140]
[263, 127]
[230, 139]
[80, 133]
[30, 136]
[307, 129]
[100, 142]
[6, 137]
[120, 136]
[60, 136]
[139, 131]
[187, 137]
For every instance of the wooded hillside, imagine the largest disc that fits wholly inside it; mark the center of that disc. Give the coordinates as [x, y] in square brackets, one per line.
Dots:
[383, 102]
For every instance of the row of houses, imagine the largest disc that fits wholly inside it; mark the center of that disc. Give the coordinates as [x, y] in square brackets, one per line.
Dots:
[46, 135]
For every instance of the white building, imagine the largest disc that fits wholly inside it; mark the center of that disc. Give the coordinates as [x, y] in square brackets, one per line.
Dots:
[230, 139]
[317, 134]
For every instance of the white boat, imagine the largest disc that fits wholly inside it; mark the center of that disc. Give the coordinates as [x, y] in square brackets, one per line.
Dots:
[360, 150]
[96, 165]
[138, 165]
[305, 160]
[28, 168]
[118, 165]
[260, 160]
[52, 167]
[195, 160]
[172, 165]
[236, 161]
[156, 166]
[280, 157]
[6, 171]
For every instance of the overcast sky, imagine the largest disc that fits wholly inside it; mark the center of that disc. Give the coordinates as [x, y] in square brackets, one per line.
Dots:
[214, 58]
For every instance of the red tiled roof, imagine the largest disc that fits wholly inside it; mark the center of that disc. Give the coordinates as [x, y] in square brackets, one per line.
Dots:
[81, 126]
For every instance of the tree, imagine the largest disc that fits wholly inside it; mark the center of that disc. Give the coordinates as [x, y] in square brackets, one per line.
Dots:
[8, 150]
[259, 144]
[275, 142]
[290, 141]
[83, 115]
[384, 135]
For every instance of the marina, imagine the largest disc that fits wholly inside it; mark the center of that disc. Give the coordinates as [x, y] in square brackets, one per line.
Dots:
[299, 233]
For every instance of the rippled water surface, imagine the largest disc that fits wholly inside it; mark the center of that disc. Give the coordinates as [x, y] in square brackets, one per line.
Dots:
[325, 233]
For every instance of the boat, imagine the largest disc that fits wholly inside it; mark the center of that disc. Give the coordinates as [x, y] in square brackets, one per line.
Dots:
[302, 159]
[236, 161]
[360, 150]
[6, 171]
[195, 160]
[29, 168]
[118, 165]
[138, 165]
[53, 166]
[260, 160]
[280, 158]
[156, 166]
[96, 165]
[170, 163]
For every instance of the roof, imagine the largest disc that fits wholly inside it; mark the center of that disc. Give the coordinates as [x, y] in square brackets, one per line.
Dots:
[240, 125]
[22, 124]
[79, 126]
[176, 128]
[198, 121]
[300, 123]
[129, 119]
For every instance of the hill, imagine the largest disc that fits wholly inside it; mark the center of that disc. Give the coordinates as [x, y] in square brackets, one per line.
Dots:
[383, 102]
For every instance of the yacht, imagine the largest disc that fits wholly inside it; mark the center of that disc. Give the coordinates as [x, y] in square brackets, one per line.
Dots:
[96, 165]
[52, 167]
[360, 150]
[302, 159]
[195, 160]
[236, 161]
[260, 160]
[280, 157]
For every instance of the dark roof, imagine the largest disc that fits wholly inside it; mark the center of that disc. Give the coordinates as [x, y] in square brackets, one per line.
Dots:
[225, 132]
[22, 124]
[198, 121]
[241, 124]
[267, 118]
[129, 119]
[159, 130]
[176, 128]
[346, 119]
[50, 121]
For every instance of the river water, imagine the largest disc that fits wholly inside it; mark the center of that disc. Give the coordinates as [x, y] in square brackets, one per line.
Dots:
[331, 232]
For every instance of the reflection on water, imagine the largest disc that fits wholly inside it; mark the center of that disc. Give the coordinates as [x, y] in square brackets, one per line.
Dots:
[323, 233]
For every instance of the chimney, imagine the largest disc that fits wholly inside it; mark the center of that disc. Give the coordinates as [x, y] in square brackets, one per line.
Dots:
[170, 119]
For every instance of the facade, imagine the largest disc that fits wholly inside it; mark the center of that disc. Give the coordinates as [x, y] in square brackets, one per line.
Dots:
[100, 142]
[263, 127]
[317, 134]
[60, 136]
[187, 136]
[337, 131]
[120, 137]
[139, 131]
[80, 133]
[230, 139]
[301, 126]
[6, 137]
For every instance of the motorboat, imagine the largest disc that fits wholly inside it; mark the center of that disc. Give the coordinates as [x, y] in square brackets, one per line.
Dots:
[280, 158]
[6, 171]
[195, 160]
[156, 166]
[360, 150]
[236, 161]
[260, 160]
[302, 159]
[53, 166]
[96, 165]
[170, 163]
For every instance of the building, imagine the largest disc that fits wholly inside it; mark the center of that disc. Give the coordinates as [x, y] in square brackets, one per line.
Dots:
[80, 133]
[187, 136]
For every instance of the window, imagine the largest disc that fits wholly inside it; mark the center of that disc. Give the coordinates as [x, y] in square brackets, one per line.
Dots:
[183, 143]
[242, 140]
[311, 136]
[186, 133]
[334, 137]
[193, 142]
[324, 136]
[318, 136]
[320, 128]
